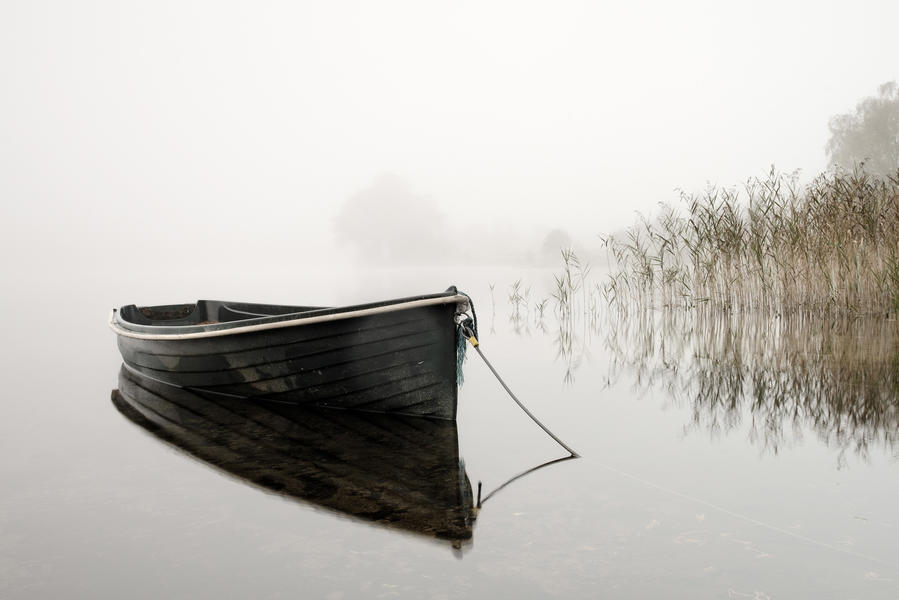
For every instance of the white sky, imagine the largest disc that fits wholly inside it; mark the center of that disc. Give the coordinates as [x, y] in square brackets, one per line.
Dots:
[131, 126]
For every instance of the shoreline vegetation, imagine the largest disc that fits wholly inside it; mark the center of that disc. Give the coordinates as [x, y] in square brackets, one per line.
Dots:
[776, 376]
[831, 246]
[771, 307]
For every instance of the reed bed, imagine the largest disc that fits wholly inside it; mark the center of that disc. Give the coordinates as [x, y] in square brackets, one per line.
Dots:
[831, 246]
[780, 375]
[773, 304]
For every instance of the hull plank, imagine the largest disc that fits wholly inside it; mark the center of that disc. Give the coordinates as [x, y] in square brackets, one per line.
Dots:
[397, 358]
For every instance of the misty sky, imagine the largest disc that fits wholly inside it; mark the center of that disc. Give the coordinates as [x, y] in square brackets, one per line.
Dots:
[144, 127]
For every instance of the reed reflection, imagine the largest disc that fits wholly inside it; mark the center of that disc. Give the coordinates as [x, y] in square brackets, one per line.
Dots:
[576, 302]
[401, 472]
[838, 377]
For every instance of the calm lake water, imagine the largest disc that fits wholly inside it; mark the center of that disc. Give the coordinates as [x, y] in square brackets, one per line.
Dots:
[734, 458]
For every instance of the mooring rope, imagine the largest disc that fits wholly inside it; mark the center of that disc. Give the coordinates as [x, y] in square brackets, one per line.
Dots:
[472, 338]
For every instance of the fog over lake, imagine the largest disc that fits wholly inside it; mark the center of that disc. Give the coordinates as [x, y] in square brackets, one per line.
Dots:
[346, 152]
[228, 130]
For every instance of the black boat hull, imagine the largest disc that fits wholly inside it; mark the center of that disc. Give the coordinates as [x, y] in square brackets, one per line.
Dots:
[400, 361]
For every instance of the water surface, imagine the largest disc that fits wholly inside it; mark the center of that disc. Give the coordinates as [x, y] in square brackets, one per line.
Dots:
[720, 459]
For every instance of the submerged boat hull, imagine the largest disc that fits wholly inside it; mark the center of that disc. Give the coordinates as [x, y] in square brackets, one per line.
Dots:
[394, 357]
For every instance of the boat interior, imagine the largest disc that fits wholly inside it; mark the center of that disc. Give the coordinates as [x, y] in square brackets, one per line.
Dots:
[208, 312]
[205, 312]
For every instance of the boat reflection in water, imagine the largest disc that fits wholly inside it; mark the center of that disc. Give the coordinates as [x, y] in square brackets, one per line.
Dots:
[401, 472]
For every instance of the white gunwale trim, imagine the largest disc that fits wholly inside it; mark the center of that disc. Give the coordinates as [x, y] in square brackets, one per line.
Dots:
[365, 312]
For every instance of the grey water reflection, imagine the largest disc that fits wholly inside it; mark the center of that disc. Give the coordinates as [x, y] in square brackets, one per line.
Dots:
[838, 378]
[399, 472]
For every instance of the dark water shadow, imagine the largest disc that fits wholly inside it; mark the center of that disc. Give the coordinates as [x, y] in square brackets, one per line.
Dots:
[399, 472]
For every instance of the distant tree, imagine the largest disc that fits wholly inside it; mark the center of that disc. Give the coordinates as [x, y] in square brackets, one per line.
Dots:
[387, 222]
[553, 244]
[870, 135]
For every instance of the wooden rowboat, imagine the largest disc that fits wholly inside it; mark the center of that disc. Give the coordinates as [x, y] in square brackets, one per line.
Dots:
[395, 356]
